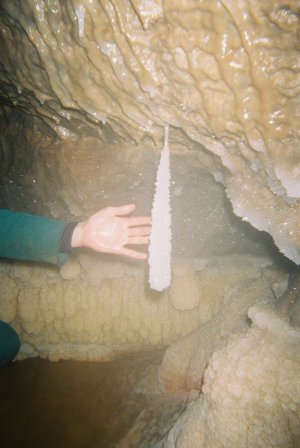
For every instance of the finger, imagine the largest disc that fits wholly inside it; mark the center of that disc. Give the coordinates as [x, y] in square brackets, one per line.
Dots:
[137, 240]
[133, 254]
[139, 221]
[139, 231]
[123, 209]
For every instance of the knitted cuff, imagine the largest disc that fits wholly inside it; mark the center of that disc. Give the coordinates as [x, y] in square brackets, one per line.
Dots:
[66, 238]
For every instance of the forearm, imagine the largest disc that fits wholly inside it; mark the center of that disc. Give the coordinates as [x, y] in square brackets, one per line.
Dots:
[29, 237]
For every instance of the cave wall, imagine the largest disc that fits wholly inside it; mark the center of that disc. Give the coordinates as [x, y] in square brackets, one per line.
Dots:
[97, 306]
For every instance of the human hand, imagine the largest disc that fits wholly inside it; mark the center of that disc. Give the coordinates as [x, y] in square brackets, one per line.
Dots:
[110, 230]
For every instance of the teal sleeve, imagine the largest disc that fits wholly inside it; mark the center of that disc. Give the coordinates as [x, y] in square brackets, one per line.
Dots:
[30, 237]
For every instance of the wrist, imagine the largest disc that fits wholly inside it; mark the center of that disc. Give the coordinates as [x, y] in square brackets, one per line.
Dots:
[65, 245]
[77, 236]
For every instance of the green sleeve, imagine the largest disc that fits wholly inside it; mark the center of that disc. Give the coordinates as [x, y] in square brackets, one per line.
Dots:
[29, 237]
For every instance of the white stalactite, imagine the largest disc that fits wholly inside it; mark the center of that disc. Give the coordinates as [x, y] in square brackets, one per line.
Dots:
[160, 239]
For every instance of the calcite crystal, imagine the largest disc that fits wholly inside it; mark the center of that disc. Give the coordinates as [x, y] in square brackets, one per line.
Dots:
[225, 73]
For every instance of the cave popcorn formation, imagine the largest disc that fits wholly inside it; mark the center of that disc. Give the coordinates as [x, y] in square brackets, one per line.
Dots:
[160, 239]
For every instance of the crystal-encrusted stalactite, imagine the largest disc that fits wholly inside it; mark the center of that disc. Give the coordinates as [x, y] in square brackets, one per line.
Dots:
[160, 240]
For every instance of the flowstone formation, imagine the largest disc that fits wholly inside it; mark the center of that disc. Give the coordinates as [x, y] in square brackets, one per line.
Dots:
[226, 73]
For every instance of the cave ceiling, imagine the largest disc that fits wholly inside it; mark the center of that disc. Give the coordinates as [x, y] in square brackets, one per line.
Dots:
[225, 75]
